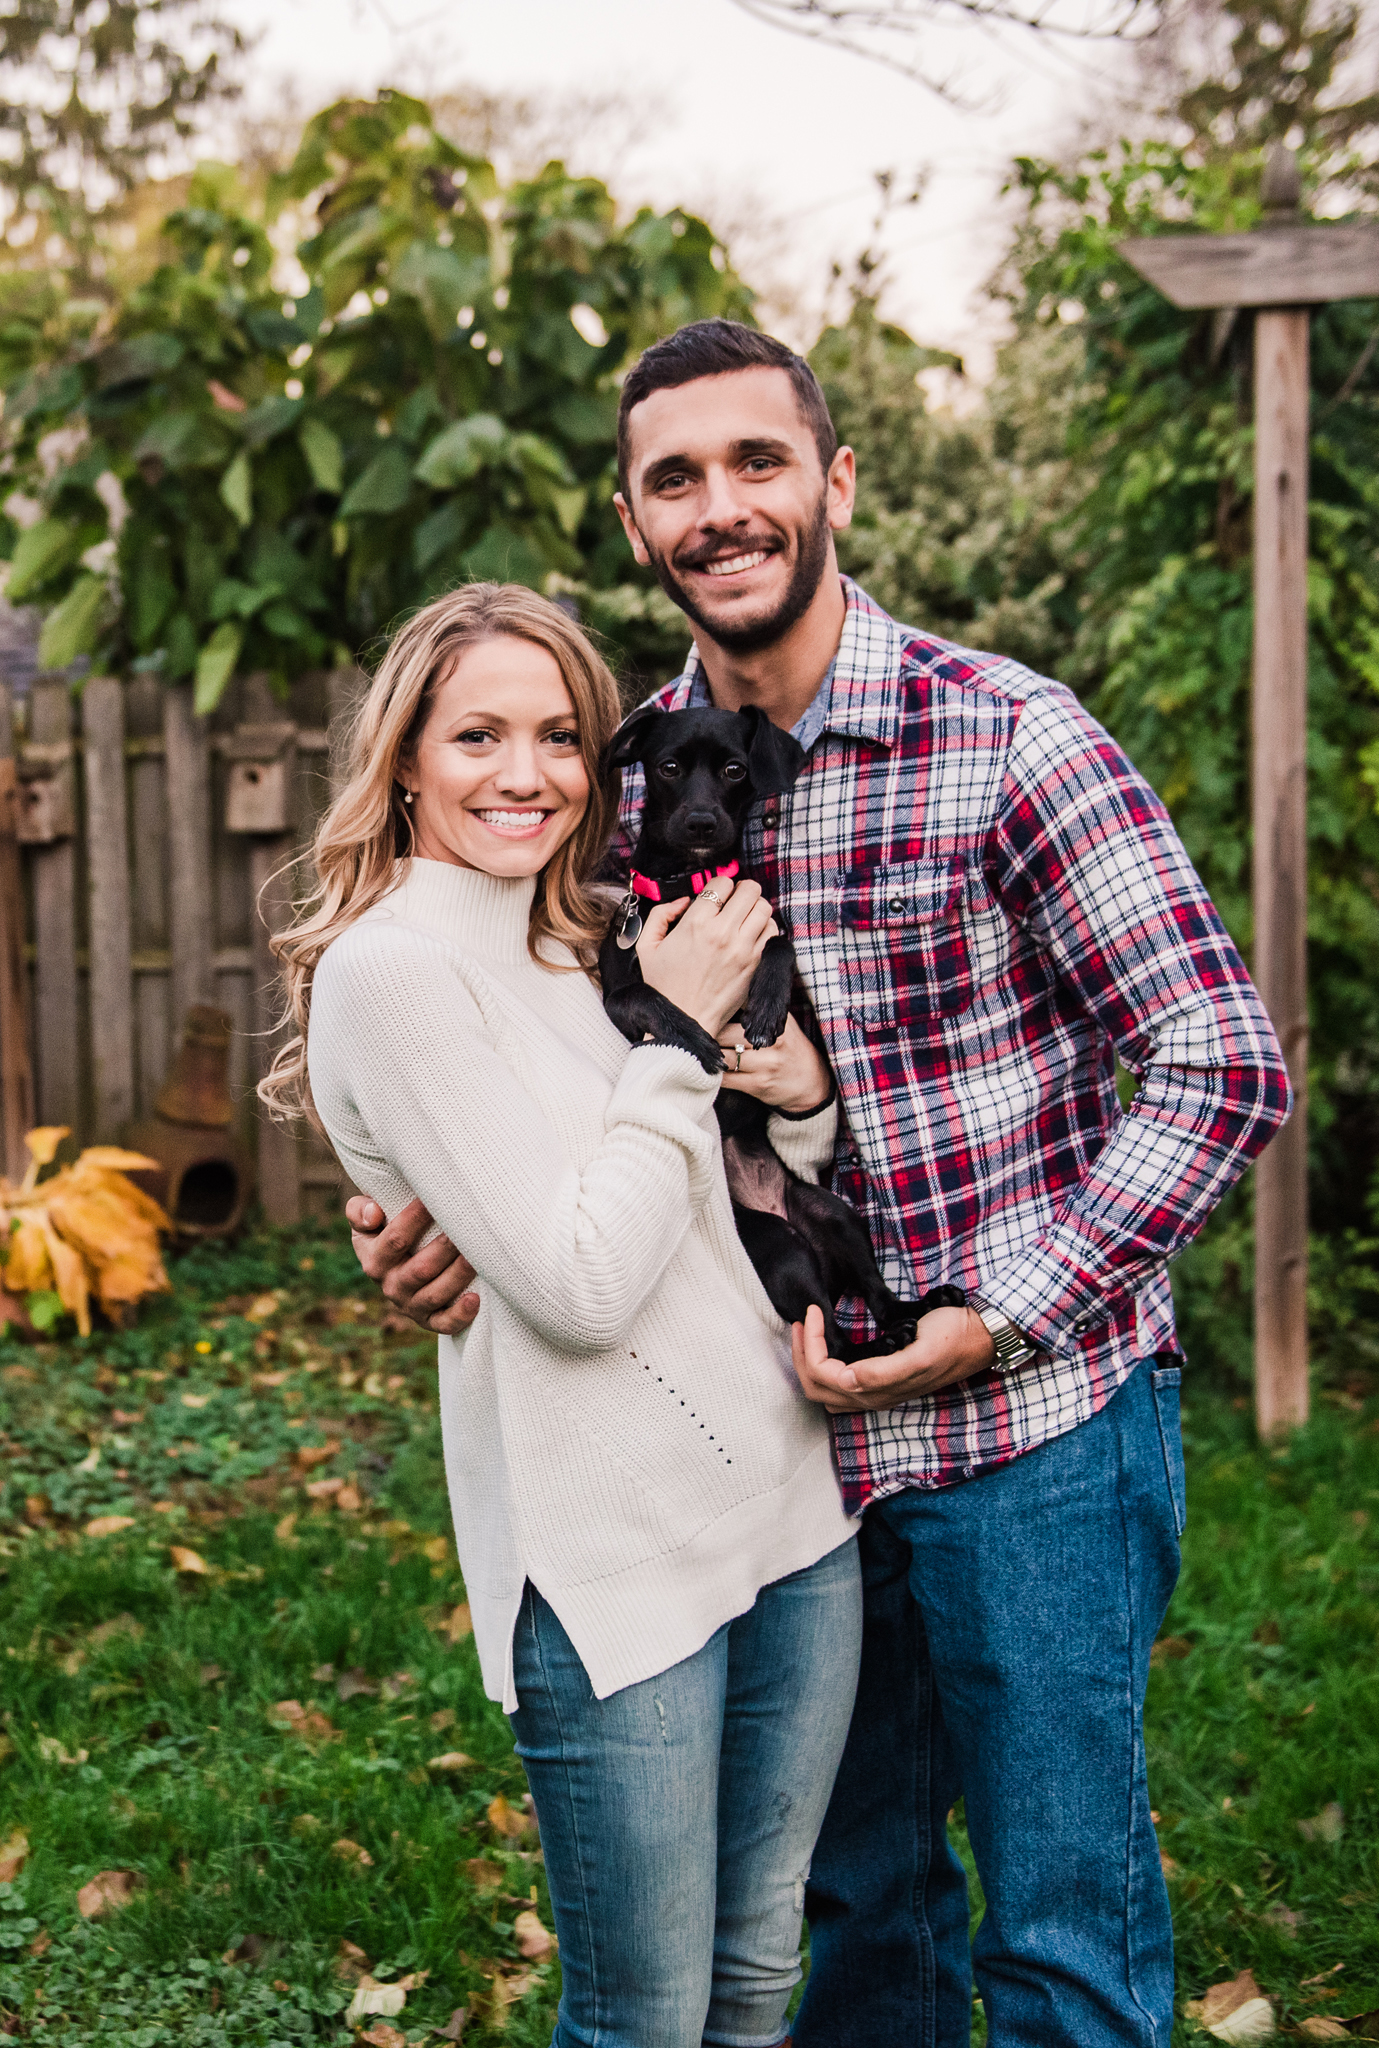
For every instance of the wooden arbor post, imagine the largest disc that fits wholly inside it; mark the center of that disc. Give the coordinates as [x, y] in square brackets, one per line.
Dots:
[1282, 269]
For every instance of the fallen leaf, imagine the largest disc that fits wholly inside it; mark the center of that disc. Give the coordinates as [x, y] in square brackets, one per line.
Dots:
[283, 1530]
[453, 1760]
[381, 2035]
[41, 1943]
[1323, 2030]
[209, 1673]
[109, 1525]
[510, 1985]
[453, 2030]
[90, 1461]
[534, 1941]
[307, 1455]
[459, 1623]
[351, 1963]
[197, 1400]
[14, 1853]
[262, 1307]
[437, 1548]
[106, 1631]
[270, 1379]
[444, 1717]
[20, 1375]
[187, 1560]
[1284, 1918]
[1322, 1975]
[1167, 1865]
[1169, 1648]
[294, 1719]
[399, 1683]
[322, 1489]
[353, 1852]
[107, 1892]
[351, 1683]
[53, 1752]
[349, 1499]
[508, 1821]
[483, 1875]
[1253, 2021]
[386, 2000]
[1223, 1999]
[1327, 1826]
[414, 1980]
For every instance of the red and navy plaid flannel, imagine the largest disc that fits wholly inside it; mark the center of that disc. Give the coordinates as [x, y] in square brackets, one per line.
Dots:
[987, 903]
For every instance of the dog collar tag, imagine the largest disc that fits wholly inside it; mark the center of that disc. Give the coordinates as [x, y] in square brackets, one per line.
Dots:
[629, 921]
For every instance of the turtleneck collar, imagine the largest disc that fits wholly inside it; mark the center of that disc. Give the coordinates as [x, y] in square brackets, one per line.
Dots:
[485, 914]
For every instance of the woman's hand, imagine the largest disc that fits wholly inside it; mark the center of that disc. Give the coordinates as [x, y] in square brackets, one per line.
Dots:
[705, 964]
[788, 1075]
[950, 1345]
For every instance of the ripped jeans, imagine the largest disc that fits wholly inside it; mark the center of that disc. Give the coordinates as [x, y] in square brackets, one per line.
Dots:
[678, 1816]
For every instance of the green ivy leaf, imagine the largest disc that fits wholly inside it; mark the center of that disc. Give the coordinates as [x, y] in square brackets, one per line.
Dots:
[384, 487]
[74, 627]
[41, 551]
[237, 490]
[325, 458]
[461, 451]
[215, 666]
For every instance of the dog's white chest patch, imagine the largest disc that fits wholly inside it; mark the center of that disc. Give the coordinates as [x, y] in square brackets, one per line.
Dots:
[755, 1180]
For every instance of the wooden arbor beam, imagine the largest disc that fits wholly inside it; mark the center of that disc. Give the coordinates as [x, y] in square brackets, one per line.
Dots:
[1280, 269]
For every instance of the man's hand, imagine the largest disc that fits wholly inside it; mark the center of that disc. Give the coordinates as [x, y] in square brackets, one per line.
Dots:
[788, 1075]
[951, 1344]
[432, 1287]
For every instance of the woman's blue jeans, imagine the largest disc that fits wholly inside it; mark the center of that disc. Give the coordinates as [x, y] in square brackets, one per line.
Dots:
[678, 1816]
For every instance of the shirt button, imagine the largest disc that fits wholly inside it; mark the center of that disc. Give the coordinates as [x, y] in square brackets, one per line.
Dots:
[770, 819]
[896, 905]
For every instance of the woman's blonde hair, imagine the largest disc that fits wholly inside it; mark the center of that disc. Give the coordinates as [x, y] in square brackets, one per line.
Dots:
[368, 828]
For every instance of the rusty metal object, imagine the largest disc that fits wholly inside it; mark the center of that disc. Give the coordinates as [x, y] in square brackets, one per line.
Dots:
[205, 1173]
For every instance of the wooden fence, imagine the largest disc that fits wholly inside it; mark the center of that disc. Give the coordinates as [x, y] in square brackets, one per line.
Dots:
[135, 842]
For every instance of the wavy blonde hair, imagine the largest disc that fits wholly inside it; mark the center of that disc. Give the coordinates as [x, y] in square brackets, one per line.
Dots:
[368, 828]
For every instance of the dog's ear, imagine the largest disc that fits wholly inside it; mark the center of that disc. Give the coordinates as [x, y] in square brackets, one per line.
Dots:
[774, 757]
[629, 741]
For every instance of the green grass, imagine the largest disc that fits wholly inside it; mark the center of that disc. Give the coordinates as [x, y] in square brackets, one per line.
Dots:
[168, 1681]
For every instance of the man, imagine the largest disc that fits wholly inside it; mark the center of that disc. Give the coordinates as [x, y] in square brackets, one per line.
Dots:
[987, 904]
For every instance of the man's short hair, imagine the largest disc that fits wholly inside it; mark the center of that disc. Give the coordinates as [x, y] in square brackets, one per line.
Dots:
[713, 348]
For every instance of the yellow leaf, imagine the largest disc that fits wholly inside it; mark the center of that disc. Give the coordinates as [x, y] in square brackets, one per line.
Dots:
[453, 1760]
[436, 1548]
[460, 1623]
[197, 1400]
[534, 1941]
[352, 1852]
[69, 1270]
[14, 1852]
[44, 1141]
[283, 1530]
[109, 1525]
[114, 1159]
[262, 1307]
[1324, 2030]
[28, 1270]
[107, 1892]
[187, 1560]
[507, 1820]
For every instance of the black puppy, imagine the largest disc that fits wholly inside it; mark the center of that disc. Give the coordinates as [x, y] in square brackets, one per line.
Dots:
[704, 770]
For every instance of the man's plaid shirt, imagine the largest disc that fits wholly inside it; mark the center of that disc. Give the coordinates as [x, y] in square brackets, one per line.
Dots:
[986, 903]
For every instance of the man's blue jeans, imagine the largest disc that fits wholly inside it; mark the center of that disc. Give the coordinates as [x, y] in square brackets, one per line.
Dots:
[678, 1816]
[1005, 1654]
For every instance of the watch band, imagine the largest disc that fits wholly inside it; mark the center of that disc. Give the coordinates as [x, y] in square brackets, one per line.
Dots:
[1013, 1348]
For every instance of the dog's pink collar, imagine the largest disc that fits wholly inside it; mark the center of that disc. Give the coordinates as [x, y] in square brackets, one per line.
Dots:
[674, 886]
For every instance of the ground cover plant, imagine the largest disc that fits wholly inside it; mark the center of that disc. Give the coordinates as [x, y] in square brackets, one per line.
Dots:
[250, 1789]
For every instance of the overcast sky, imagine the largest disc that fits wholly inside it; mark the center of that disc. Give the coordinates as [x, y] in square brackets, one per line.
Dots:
[749, 122]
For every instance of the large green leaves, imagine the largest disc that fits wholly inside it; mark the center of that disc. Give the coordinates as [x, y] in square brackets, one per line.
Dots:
[40, 553]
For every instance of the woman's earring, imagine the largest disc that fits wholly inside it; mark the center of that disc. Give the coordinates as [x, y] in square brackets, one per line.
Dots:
[407, 796]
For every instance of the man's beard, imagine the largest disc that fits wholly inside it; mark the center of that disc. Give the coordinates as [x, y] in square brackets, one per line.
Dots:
[754, 634]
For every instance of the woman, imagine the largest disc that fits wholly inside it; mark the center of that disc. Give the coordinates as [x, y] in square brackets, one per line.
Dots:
[663, 1582]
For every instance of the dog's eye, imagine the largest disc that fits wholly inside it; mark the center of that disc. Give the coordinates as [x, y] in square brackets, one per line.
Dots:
[669, 770]
[733, 771]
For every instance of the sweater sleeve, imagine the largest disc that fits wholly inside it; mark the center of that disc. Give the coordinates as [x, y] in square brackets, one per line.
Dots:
[806, 1143]
[397, 1039]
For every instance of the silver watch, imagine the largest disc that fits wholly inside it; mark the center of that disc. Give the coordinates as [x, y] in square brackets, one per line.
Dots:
[1013, 1348]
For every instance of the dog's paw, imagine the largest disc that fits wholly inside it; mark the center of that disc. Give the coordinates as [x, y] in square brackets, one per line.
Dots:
[762, 1026]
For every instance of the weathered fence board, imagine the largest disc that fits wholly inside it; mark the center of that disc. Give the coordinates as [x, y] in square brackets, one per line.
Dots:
[128, 886]
[110, 947]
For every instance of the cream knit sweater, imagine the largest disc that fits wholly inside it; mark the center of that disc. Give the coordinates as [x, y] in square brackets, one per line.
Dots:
[621, 1424]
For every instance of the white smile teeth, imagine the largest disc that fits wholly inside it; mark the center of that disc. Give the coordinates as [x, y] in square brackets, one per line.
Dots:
[513, 821]
[736, 564]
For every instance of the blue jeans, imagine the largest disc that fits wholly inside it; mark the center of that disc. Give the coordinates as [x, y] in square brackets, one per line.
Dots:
[678, 1816]
[1006, 1649]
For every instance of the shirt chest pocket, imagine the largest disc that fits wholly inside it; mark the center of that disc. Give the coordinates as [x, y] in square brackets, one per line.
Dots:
[904, 953]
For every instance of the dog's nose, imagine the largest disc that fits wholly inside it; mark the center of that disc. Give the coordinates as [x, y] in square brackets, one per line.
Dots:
[701, 822]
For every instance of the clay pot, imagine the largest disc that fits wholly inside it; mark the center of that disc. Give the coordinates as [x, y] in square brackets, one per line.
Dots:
[205, 1174]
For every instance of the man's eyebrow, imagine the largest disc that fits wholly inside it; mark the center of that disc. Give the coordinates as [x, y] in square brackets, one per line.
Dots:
[673, 465]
